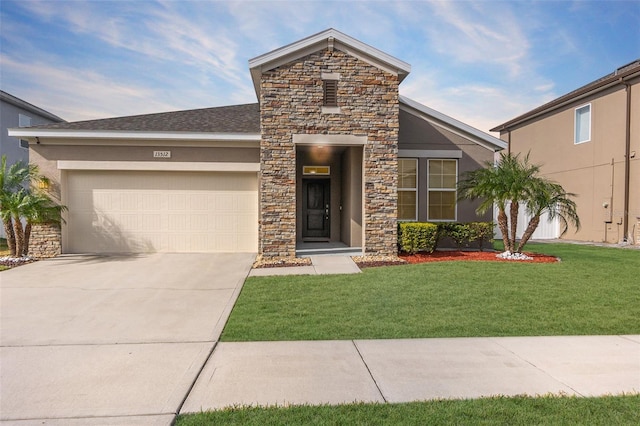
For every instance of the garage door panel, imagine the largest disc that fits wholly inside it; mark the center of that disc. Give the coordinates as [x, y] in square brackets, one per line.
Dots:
[113, 211]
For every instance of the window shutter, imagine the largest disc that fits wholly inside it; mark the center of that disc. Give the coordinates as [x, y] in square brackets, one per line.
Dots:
[330, 92]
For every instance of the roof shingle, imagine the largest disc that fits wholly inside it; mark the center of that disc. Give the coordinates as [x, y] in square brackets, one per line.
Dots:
[226, 119]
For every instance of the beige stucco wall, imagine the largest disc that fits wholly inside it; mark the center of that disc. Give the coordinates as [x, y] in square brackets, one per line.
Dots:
[46, 156]
[593, 170]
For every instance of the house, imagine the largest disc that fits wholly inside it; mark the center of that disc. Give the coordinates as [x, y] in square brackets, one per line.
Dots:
[331, 152]
[589, 141]
[14, 112]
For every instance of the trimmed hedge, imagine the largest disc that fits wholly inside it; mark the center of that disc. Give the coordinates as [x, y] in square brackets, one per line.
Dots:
[417, 236]
[414, 237]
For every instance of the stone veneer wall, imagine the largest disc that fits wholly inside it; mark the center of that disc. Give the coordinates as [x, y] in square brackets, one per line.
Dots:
[45, 241]
[291, 103]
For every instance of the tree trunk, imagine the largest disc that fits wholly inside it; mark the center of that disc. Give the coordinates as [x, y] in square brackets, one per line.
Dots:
[19, 234]
[513, 217]
[533, 225]
[11, 237]
[504, 229]
[27, 236]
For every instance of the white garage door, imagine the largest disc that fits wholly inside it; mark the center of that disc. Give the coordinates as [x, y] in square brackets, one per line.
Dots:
[138, 212]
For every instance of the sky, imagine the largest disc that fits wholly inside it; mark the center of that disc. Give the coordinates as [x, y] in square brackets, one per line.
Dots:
[481, 62]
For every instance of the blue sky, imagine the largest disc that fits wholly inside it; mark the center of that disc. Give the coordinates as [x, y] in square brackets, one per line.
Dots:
[482, 62]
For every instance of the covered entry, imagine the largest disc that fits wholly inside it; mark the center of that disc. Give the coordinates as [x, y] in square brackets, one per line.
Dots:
[329, 194]
[160, 211]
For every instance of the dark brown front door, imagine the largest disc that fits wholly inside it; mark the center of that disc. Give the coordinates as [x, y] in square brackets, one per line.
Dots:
[315, 208]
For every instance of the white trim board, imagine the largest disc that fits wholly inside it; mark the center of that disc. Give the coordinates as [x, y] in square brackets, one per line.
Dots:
[429, 153]
[315, 139]
[158, 166]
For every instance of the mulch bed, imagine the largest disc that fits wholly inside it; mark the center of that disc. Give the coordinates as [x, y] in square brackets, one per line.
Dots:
[454, 255]
[486, 256]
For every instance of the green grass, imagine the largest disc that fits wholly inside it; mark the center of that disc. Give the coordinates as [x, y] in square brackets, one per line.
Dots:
[593, 291]
[618, 410]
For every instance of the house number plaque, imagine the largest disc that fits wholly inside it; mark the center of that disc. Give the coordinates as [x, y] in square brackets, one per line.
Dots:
[161, 154]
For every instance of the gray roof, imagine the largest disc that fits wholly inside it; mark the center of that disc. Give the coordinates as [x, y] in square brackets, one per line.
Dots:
[9, 98]
[226, 119]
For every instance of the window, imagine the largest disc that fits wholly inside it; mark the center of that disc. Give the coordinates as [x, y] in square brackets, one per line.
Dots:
[583, 124]
[24, 121]
[441, 189]
[407, 189]
[330, 92]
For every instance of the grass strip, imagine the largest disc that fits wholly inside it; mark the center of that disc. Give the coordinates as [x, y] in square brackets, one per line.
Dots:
[546, 410]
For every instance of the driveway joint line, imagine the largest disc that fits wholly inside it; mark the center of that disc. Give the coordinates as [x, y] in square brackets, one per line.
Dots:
[195, 379]
[546, 373]
[355, 345]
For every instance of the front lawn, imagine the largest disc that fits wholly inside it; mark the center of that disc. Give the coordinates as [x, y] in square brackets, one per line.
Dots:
[593, 291]
[614, 410]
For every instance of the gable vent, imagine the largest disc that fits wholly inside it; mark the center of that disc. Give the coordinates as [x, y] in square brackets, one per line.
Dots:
[330, 92]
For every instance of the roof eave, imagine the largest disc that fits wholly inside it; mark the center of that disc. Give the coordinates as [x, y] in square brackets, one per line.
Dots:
[9, 98]
[456, 126]
[32, 134]
[576, 95]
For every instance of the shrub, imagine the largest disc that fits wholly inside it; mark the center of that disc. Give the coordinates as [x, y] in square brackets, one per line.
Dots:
[425, 236]
[417, 236]
[458, 232]
[482, 232]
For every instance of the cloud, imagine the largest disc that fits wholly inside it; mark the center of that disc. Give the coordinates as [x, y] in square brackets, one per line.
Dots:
[482, 106]
[479, 32]
[80, 95]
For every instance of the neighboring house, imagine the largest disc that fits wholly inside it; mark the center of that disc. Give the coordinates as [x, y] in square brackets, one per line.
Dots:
[15, 112]
[330, 153]
[589, 142]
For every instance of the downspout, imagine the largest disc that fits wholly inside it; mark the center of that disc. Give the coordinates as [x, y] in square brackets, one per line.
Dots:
[509, 142]
[627, 165]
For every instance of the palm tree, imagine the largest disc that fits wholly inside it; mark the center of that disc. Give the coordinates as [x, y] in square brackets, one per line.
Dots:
[16, 202]
[515, 181]
[551, 198]
[37, 207]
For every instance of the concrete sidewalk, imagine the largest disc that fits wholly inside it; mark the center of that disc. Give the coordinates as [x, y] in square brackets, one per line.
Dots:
[320, 265]
[335, 372]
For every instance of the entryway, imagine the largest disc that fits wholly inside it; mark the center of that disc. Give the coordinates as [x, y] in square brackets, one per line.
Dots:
[316, 196]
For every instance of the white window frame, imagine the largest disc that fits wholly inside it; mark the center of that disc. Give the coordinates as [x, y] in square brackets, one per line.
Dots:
[454, 190]
[24, 121]
[575, 124]
[414, 189]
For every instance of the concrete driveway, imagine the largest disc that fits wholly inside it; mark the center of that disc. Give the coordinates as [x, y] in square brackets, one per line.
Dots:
[110, 339]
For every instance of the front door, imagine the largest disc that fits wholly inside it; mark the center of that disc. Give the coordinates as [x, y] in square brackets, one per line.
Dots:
[315, 209]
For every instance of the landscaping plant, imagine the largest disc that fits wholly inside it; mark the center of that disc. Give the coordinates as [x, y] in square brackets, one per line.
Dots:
[514, 181]
[22, 199]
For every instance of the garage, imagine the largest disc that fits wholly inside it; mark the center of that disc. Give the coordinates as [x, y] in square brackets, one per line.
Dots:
[160, 211]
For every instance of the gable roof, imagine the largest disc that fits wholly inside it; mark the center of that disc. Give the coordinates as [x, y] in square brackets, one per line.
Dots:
[330, 38]
[453, 125]
[619, 76]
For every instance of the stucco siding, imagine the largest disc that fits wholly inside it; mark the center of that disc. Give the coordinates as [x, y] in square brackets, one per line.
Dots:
[594, 170]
